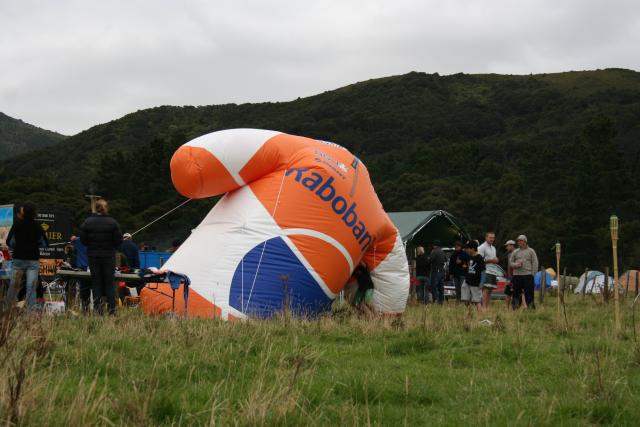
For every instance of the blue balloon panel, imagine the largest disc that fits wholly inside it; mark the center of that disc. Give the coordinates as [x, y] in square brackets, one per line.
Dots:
[261, 278]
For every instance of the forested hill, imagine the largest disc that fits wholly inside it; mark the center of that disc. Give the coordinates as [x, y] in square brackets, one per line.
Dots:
[18, 137]
[550, 155]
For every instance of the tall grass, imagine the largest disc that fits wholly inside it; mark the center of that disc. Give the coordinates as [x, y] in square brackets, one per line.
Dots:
[433, 368]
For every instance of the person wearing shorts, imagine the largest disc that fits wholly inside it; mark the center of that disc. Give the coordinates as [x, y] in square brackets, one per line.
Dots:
[488, 282]
[470, 290]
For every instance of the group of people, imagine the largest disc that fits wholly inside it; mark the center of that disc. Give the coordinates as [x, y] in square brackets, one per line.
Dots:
[94, 249]
[469, 268]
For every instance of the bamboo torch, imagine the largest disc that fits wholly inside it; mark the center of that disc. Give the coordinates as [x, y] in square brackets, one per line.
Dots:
[558, 277]
[614, 246]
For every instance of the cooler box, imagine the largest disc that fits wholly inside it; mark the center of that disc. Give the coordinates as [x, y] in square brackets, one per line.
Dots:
[153, 259]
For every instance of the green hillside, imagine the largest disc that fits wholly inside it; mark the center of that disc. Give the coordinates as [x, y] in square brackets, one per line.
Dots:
[550, 155]
[18, 137]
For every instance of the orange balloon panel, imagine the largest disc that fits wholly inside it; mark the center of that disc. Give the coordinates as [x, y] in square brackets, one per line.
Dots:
[157, 298]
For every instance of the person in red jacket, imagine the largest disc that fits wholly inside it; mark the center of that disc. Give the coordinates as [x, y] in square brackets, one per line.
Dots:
[5, 266]
[5, 255]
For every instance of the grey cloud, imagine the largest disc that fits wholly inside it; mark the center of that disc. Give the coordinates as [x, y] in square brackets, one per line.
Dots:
[69, 65]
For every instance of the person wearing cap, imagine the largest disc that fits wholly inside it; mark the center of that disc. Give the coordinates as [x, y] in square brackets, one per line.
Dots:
[130, 250]
[458, 263]
[489, 281]
[509, 246]
[436, 278]
[470, 290]
[524, 262]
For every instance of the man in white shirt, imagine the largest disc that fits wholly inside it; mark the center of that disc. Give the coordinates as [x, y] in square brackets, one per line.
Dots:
[488, 281]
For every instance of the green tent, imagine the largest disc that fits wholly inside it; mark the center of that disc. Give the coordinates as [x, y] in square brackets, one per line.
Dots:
[421, 228]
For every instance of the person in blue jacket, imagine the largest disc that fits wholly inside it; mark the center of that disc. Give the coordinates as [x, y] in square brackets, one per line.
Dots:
[130, 250]
[81, 262]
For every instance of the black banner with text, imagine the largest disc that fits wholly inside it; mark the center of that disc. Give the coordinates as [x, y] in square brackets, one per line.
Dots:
[58, 226]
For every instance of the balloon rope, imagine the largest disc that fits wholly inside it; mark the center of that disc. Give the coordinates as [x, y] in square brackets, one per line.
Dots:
[162, 216]
[242, 284]
[264, 245]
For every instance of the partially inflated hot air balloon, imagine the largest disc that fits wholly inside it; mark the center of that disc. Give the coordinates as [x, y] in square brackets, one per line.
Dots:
[298, 216]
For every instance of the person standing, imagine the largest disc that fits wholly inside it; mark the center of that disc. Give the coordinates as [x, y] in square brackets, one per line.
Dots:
[488, 281]
[422, 273]
[525, 264]
[438, 260]
[26, 236]
[81, 262]
[471, 293]
[510, 246]
[458, 263]
[102, 236]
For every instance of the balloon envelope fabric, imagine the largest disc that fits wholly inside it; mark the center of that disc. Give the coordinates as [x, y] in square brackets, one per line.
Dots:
[298, 216]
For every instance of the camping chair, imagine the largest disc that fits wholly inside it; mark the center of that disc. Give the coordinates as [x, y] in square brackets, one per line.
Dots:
[175, 280]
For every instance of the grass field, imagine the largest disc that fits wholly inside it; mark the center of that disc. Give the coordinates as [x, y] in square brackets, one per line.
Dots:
[433, 368]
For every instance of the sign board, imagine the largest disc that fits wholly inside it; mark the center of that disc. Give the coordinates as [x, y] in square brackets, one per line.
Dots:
[58, 227]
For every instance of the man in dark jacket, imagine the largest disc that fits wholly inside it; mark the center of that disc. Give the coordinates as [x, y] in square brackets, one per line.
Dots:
[458, 263]
[25, 237]
[421, 265]
[102, 236]
[438, 260]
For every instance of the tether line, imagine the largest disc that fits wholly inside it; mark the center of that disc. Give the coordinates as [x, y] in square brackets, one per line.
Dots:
[137, 231]
[161, 216]
[264, 245]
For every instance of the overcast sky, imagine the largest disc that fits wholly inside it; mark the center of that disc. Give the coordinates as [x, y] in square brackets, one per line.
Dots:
[69, 65]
